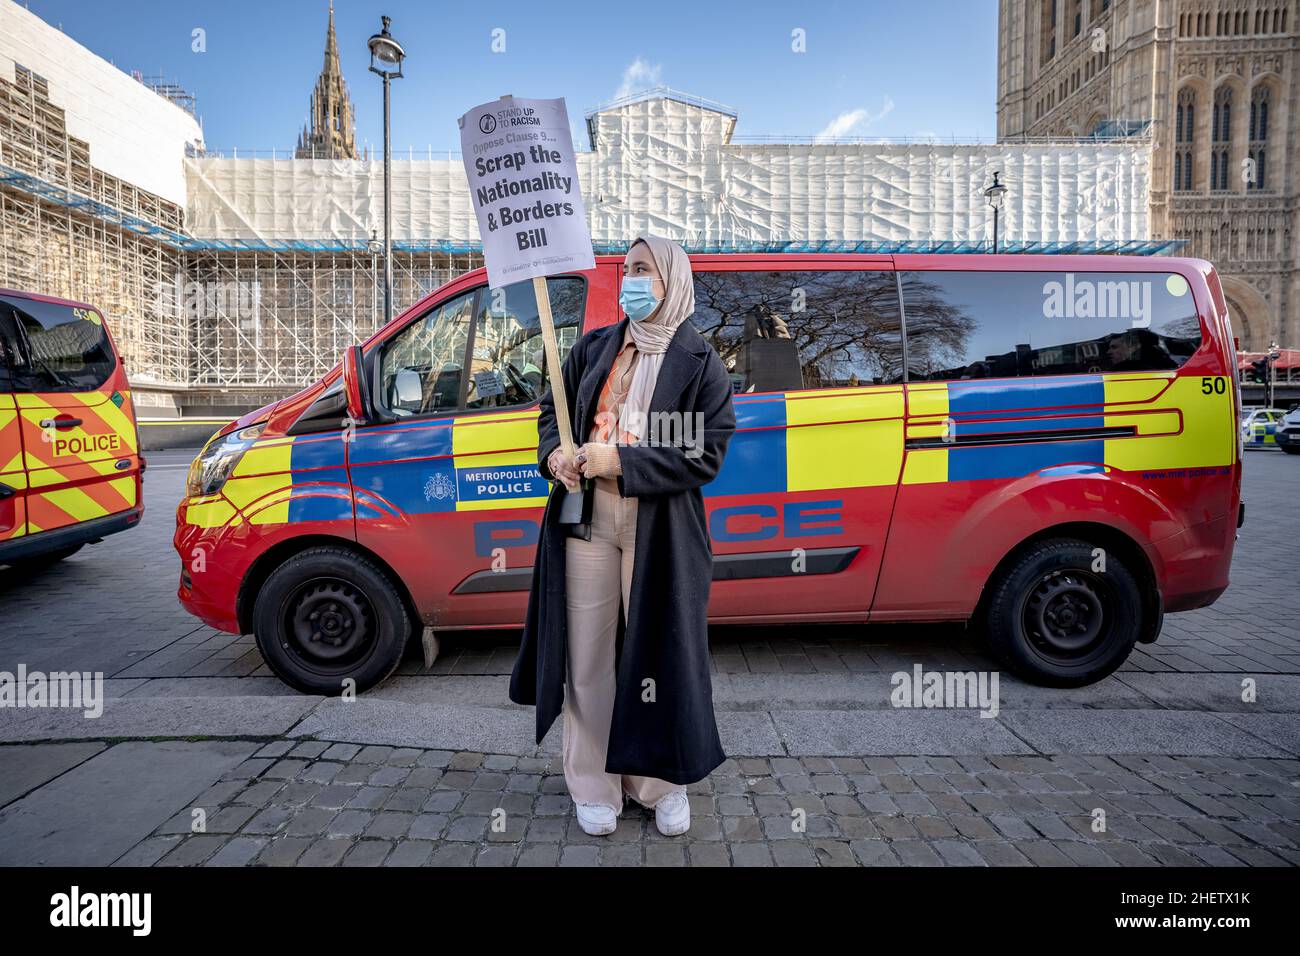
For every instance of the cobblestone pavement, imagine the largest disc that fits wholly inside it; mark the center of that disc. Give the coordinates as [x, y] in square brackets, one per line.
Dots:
[317, 804]
[1161, 764]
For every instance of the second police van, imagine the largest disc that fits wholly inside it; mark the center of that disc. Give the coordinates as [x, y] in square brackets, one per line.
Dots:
[70, 465]
[1043, 446]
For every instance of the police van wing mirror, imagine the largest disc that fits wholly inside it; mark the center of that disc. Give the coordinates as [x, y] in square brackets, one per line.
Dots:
[354, 384]
[409, 389]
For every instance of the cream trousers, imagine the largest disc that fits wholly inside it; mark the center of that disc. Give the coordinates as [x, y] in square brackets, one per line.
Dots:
[597, 574]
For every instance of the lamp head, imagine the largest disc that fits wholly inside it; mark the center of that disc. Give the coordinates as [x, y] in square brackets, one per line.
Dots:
[997, 192]
[386, 54]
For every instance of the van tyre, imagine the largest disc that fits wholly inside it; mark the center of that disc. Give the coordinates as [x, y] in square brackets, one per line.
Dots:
[1054, 621]
[327, 615]
[1290, 449]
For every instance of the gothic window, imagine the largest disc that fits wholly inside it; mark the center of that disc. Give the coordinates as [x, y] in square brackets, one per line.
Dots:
[1258, 136]
[1047, 31]
[1184, 135]
[1221, 138]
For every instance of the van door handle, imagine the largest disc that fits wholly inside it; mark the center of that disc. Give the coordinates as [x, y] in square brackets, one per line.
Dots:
[61, 423]
[6, 492]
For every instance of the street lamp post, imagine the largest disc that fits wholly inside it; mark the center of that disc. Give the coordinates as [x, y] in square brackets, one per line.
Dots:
[994, 195]
[386, 56]
[1270, 379]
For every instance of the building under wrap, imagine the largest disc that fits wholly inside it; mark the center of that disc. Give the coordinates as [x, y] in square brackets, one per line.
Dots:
[669, 164]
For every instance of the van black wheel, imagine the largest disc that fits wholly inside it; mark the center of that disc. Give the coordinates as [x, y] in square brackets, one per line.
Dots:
[1059, 618]
[1290, 449]
[328, 615]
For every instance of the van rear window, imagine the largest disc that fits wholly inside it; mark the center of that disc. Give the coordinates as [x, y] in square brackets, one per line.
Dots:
[802, 329]
[963, 325]
[50, 347]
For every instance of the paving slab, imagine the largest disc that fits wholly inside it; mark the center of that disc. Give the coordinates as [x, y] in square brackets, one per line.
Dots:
[160, 717]
[886, 733]
[97, 811]
[1222, 693]
[214, 687]
[1282, 730]
[872, 691]
[1157, 732]
[24, 767]
[368, 720]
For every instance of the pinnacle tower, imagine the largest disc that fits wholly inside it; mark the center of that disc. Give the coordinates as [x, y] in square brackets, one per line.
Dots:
[330, 133]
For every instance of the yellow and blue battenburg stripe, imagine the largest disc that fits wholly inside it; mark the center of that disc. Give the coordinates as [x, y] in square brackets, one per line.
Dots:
[1133, 422]
[281, 481]
[813, 440]
[799, 441]
[472, 463]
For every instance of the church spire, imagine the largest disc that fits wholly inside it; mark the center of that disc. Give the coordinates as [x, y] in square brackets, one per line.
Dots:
[330, 133]
[331, 47]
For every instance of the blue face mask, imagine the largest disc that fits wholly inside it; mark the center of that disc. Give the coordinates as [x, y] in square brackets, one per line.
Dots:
[637, 297]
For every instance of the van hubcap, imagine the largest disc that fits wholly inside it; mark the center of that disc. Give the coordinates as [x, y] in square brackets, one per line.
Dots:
[1066, 613]
[330, 621]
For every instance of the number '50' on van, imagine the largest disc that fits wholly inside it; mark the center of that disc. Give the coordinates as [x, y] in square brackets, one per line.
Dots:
[1042, 446]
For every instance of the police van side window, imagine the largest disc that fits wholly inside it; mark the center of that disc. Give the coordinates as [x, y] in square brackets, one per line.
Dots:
[421, 367]
[507, 367]
[780, 331]
[963, 325]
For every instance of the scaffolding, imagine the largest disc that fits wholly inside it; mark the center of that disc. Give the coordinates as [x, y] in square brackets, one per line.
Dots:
[281, 319]
[71, 248]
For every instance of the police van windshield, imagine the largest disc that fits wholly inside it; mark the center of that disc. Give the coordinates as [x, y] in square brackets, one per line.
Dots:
[50, 347]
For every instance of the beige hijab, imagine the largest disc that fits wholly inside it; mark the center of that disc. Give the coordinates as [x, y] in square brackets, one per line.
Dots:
[651, 336]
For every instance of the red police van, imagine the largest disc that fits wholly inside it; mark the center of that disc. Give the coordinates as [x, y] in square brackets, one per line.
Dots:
[1044, 446]
[70, 464]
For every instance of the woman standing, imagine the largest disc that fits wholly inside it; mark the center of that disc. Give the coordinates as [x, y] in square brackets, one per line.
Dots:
[653, 401]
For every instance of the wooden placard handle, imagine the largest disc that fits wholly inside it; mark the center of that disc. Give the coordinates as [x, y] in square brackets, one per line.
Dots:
[552, 350]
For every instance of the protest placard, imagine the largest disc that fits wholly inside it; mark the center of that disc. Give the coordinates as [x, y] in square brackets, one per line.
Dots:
[523, 184]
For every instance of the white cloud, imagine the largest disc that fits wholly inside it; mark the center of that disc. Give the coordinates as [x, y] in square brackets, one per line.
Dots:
[638, 76]
[855, 121]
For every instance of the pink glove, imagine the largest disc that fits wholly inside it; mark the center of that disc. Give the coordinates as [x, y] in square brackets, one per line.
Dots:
[602, 460]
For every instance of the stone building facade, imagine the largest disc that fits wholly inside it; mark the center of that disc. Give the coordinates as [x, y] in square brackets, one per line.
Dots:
[1215, 85]
[331, 129]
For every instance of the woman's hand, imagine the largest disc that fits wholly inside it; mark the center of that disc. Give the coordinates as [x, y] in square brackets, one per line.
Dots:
[563, 469]
[599, 460]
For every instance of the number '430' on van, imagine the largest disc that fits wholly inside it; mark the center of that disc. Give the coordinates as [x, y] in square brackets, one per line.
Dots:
[1042, 446]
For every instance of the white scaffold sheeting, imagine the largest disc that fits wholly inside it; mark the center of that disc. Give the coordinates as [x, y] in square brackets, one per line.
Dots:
[669, 167]
[133, 133]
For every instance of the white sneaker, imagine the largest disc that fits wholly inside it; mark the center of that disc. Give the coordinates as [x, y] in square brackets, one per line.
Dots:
[596, 819]
[673, 814]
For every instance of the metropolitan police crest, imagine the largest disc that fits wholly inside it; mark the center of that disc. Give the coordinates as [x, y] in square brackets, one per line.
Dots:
[439, 487]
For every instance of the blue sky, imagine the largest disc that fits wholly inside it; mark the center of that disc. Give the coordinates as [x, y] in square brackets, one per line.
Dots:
[871, 67]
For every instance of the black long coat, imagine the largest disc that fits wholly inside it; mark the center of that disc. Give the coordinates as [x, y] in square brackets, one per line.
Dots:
[674, 735]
